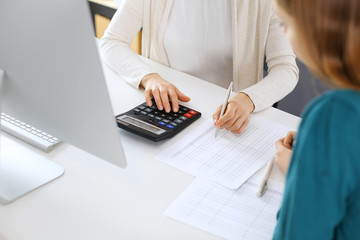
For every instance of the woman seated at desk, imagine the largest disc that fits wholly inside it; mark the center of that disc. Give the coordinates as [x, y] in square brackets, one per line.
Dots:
[219, 41]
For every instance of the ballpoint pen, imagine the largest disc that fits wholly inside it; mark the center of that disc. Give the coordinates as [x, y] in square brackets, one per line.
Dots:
[227, 96]
[265, 177]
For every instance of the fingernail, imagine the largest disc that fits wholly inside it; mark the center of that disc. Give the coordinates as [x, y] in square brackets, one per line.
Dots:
[167, 109]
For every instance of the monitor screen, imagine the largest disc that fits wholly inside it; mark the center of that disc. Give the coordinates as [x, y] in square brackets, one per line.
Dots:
[53, 76]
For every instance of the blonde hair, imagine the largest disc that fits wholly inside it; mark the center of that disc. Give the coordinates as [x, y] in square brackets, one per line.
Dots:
[331, 31]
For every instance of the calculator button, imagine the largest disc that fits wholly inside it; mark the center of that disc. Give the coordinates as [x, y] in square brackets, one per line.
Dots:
[141, 107]
[174, 124]
[192, 112]
[143, 113]
[170, 118]
[170, 126]
[176, 115]
[181, 112]
[165, 121]
[183, 118]
[184, 109]
[163, 115]
[158, 118]
[151, 116]
[188, 115]
[136, 111]
[161, 123]
[178, 121]
[148, 110]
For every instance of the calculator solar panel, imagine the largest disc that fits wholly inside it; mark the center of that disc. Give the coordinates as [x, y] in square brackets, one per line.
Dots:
[156, 125]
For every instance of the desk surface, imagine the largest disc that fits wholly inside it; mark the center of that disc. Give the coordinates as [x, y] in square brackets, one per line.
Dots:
[95, 200]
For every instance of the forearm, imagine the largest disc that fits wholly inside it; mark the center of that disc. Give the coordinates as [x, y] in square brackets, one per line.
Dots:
[280, 81]
[124, 61]
[282, 70]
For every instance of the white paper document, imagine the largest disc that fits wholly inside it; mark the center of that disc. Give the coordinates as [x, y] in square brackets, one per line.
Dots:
[230, 214]
[229, 159]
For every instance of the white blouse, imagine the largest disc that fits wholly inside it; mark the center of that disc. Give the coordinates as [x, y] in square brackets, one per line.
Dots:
[198, 39]
[255, 32]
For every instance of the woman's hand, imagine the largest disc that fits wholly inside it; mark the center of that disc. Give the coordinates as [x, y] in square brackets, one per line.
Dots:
[162, 91]
[284, 151]
[237, 114]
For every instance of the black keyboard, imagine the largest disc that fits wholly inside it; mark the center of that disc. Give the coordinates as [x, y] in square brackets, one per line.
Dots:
[156, 125]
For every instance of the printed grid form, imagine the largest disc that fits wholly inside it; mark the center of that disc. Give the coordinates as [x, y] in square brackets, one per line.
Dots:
[230, 159]
[231, 214]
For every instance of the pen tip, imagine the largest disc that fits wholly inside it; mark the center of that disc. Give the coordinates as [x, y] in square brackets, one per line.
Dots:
[216, 132]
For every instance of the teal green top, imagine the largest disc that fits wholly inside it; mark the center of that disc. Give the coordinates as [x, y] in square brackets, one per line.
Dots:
[322, 192]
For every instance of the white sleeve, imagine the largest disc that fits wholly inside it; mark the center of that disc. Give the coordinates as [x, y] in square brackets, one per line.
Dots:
[115, 44]
[283, 73]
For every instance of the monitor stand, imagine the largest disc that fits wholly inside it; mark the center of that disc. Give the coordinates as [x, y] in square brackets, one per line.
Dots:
[22, 169]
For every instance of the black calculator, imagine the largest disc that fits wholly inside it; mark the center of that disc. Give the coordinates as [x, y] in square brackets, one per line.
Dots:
[154, 124]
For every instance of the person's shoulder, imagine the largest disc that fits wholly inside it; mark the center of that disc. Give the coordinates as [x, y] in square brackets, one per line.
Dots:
[342, 102]
[347, 97]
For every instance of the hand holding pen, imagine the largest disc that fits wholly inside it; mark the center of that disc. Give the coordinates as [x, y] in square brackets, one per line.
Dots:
[284, 148]
[282, 157]
[235, 113]
[224, 105]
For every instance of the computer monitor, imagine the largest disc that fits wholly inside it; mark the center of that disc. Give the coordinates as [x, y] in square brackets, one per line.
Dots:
[53, 80]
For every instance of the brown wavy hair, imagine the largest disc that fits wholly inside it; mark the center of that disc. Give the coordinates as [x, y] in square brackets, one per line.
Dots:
[331, 31]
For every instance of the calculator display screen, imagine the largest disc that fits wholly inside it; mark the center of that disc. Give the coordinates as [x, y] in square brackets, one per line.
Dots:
[141, 124]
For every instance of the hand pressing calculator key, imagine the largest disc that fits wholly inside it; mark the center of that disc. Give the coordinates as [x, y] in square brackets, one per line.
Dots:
[156, 125]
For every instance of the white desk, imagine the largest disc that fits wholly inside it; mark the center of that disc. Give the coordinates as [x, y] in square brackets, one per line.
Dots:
[95, 200]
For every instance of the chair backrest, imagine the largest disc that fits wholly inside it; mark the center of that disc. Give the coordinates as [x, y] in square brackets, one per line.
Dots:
[307, 89]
